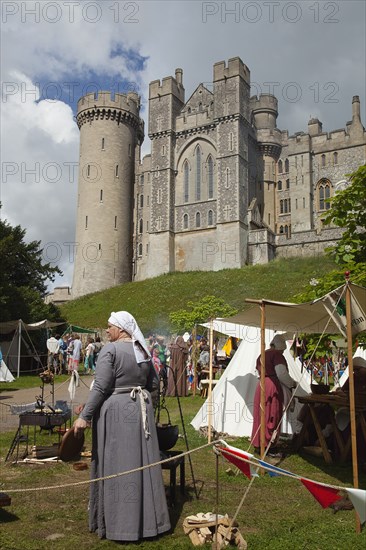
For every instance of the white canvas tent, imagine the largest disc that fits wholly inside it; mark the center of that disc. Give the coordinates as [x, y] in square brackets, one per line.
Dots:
[20, 346]
[233, 395]
[358, 353]
[5, 374]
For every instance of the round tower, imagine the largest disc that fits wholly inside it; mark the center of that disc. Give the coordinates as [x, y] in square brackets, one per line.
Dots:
[111, 131]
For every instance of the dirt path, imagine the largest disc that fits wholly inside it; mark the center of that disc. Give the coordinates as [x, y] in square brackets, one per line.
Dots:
[9, 422]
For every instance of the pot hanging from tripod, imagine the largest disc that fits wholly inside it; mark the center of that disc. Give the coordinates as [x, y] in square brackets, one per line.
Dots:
[167, 433]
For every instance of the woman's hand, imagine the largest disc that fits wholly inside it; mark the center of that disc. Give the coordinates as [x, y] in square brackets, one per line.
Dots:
[79, 426]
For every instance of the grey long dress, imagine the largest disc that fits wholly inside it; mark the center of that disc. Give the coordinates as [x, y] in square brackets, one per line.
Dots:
[134, 506]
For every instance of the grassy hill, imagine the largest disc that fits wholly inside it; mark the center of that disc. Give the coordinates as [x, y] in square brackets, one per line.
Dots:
[152, 300]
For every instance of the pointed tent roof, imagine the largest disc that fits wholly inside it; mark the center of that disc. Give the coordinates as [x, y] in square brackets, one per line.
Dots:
[233, 395]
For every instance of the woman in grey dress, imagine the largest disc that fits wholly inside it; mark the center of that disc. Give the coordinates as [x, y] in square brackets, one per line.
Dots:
[133, 506]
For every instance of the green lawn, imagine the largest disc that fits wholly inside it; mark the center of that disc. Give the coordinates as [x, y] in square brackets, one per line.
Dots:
[278, 513]
[152, 300]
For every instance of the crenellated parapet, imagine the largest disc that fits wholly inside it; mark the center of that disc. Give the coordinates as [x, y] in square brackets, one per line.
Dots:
[169, 85]
[235, 67]
[119, 108]
[264, 111]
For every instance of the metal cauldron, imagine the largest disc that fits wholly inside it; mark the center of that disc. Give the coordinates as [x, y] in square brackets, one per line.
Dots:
[167, 433]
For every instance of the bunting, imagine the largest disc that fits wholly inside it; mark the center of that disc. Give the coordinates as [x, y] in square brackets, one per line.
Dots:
[235, 456]
[324, 494]
[358, 499]
[275, 471]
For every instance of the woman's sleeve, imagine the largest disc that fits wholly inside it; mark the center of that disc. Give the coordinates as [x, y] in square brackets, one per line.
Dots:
[104, 382]
[284, 377]
[152, 382]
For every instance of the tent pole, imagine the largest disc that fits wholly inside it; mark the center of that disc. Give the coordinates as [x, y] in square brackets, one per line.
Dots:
[352, 394]
[262, 380]
[193, 358]
[19, 345]
[210, 384]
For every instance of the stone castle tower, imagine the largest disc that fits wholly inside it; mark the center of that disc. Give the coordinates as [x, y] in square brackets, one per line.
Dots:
[222, 187]
[111, 133]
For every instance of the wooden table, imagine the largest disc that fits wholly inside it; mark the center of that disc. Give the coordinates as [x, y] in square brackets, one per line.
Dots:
[335, 401]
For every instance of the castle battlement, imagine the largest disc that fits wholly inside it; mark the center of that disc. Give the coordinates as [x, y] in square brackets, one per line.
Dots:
[169, 85]
[126, 102]
[117, 108]
[266, 102]
[194, 120]
[235, 68]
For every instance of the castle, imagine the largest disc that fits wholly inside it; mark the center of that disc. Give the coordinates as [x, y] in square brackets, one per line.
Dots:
[222, 187]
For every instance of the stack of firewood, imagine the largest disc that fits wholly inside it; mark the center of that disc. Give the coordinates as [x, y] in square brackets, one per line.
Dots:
[201, 529]
[40, 452]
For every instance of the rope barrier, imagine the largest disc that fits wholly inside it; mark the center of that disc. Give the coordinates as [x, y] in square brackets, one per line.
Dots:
[112, 476]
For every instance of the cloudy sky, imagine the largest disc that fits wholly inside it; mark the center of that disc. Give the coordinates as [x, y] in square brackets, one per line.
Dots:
[311, 55]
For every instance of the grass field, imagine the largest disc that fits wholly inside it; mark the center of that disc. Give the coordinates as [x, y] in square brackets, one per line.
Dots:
[278, 513]
[152, 300]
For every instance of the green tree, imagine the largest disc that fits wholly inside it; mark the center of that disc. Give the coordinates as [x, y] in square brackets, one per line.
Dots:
[347, 210]
[23, 277]
[202, 311]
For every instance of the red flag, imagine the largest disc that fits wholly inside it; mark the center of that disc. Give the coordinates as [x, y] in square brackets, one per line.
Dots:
[323, 494]
[232, 455]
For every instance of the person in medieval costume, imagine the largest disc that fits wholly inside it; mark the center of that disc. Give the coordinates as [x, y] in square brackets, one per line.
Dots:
[277, 393]
[178, 368]
[130, 507]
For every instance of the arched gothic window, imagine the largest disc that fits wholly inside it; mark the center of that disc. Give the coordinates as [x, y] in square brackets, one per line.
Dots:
[279, 185]
[141, 226]
[140, 249]
[198, 219]
[323, 161]
[185, 221]
[287, 184]
[198, 173]
[210, 174]
[141, 201]
[280, 169]
[287, 165]
[186, 180]
[281, 229]
[323, 194]
[210, 217]
[281, 207]
[335, 158]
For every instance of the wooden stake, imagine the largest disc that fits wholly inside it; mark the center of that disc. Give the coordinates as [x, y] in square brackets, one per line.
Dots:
[210, 384]
[263, 381]
[352, 408]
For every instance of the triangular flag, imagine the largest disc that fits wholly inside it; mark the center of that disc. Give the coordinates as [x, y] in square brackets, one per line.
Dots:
[232, 457]
[358, 499]
[324, 495]
[275, 470]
